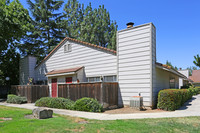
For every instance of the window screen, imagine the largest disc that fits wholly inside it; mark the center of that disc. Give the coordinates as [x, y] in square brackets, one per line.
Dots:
[110, 78]
[93, 79]
[172, 82]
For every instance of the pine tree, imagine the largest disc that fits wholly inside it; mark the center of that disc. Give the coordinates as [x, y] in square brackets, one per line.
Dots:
[73, 14]
[197, 60]
[46, 33]
[90, 25]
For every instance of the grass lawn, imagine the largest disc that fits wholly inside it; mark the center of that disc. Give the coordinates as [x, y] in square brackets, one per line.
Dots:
[61, 124]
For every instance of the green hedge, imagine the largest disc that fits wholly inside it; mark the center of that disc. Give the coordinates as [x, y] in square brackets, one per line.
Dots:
[16, 99]
[172, 99]
[88, 104]
[60, 103]
[83, 104]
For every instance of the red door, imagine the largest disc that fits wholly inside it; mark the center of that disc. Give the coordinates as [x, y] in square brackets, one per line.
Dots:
[69, 80]
[54, 87]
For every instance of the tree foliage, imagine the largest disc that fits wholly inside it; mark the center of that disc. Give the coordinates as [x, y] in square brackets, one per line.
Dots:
[90, 25]
[191, 69]
[46, 33]
[14, 23]
[197, 60]
[170, 64]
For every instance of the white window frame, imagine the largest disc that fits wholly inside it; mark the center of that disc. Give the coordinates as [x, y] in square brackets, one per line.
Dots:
[114, 78]
[67, 48]
[95, 79]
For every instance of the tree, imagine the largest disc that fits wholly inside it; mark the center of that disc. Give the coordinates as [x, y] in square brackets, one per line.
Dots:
[73, 16]
[90, 25]
[9, 67]
[191, 69]
[170, 64]
[14, 23]
[47, 32]
[197, 60]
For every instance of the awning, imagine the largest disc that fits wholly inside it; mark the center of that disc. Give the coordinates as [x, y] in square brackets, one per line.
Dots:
[169, 69]
[69, 71]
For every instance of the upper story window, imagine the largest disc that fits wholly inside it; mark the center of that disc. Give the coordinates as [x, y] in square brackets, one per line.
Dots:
[67, 48]
[110, 78]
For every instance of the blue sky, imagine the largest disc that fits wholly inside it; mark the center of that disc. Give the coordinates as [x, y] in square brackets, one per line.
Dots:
[177, 24]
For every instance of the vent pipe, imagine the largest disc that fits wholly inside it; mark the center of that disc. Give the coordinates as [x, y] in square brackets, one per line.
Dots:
[130, 24]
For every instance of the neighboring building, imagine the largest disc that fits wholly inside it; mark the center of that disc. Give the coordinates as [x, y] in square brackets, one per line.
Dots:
[183, 81]
[133, 65]
[195, 77]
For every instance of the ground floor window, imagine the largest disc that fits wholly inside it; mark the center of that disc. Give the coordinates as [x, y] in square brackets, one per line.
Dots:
[93, 79]
[41, 82]
[172, 82]
[112, 78]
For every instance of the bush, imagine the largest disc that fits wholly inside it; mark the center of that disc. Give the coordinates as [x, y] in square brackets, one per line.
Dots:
[16, 99]
[172, 99]
[88, 104]
[194, 90]
[60, 103]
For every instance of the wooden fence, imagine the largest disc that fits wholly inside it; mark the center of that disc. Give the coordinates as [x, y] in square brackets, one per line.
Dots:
[4, 91]
[31, 92]
[105, 93]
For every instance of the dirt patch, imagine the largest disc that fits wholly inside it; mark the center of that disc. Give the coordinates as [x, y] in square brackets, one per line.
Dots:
[80, 121]
[29, 117]
[128, 110]
[6, 119]
[81, 129]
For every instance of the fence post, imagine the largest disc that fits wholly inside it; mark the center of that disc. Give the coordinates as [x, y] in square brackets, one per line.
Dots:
[102, 93]
[68, 95]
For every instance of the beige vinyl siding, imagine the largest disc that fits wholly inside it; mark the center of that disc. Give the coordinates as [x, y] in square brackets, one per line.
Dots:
[154, 94]
[95, 61]
[134, 63]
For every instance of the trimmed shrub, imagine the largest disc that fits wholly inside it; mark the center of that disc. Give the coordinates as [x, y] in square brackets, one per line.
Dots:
[88, 104]
[172, 99]
[16, 99]
[59, 103]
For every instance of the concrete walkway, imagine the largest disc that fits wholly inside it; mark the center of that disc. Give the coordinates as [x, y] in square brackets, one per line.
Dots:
[191, 108]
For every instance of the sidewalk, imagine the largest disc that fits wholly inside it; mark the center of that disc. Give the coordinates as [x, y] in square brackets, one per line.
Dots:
[191, 108]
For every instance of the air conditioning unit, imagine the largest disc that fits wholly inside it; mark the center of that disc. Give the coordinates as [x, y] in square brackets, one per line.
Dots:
[136, 102]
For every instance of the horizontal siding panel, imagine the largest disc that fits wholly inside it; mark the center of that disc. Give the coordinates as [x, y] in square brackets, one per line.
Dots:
[138, 37]
[134, 46]
[138, 81]
[129, 68]
[134, 30]
[135, 90]
[130, 51]
[134, 63]
[124, 85]
[121, 77]
[135, 33]
[134, 42]
[134, 59]
[135, 94]
[134, 55]
[135, 72]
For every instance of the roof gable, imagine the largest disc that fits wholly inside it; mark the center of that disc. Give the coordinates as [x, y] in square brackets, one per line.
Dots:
[77, 41]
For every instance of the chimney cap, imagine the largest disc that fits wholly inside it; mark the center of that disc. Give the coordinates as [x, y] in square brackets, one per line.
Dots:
[130, 24]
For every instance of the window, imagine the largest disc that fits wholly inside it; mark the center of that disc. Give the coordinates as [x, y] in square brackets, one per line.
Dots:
[67, 48]
[93, 79]
[110, 78]
[172, 82]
